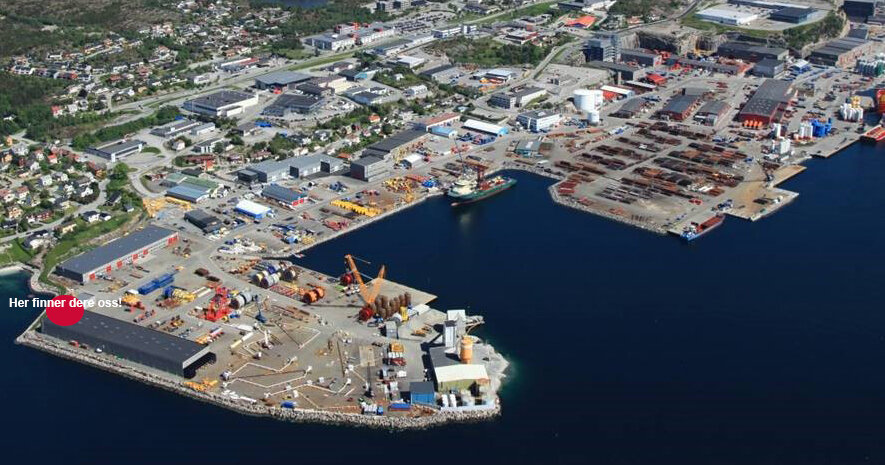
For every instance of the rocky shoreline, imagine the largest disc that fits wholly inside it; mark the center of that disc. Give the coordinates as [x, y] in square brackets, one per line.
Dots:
[35, 340]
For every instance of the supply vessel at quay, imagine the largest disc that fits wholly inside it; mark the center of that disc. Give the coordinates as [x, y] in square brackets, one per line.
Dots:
[696, 230]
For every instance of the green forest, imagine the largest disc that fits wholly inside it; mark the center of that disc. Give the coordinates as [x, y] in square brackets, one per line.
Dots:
[487, 52]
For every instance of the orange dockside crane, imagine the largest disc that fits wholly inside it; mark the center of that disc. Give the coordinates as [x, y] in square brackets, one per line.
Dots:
[366, 293]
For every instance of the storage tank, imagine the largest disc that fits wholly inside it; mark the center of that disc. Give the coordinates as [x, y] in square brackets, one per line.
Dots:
[466, 355]
[593, 117]
[583, 100]
[588, 100]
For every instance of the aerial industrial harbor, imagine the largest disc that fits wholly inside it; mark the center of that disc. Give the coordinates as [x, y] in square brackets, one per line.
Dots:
[191, 206]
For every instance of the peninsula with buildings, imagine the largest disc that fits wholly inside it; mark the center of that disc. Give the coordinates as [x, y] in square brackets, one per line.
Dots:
[179, 169]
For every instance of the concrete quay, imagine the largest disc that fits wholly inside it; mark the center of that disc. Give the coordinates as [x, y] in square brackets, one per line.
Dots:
[32, 339]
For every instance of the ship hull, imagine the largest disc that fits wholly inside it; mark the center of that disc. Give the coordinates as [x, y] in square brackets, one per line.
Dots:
[715, 224]
[480, 195]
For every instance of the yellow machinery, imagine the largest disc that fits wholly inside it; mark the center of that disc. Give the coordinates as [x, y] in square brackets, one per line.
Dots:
[183, 296]
[368, 295]
[153, 206]
[855, 101]
[367, 211]
[185, 205]
[131, 300]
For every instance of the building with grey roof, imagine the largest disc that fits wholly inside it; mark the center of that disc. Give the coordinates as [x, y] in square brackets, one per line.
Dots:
[174, 128]
[116, 150]
[287, 104]
[284, 195]
[792, 14]
[394, 145]
[712, 111]
[768, 102]
[769, 67]
[139, 344]
[135, 246]
[221, 103]
[368, 169]
[281, 80]
[842, 52]
[206, 222]
[640, 57]
[188, 193]
[624, 71]
[443, 73]
[680, 106]
[630, 108]
[751, 52]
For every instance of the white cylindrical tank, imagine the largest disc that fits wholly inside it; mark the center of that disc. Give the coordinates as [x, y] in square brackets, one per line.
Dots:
[588, 100]
[593, 117]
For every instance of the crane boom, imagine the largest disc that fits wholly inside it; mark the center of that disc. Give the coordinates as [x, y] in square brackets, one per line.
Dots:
[367, 294]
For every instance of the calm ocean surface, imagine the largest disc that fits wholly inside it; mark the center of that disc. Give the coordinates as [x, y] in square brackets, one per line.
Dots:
[758, 344]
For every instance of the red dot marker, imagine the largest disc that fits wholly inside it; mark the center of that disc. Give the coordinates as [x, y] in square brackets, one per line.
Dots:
[65, 310]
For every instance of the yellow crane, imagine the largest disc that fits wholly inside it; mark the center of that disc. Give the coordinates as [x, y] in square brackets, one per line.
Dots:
[368, 294]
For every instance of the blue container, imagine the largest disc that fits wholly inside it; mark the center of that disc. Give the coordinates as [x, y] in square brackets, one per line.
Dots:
[147, 288]
[380, 410]
[400, 406]
[288, 404]
[167, 293]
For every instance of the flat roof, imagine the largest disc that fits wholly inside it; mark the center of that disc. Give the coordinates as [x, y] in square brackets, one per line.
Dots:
[185, 192]
[158, 344]
[483, 126]
[122, 247]
[221, 99]
[119, 146]
[397, 140]
[769, 96]
[252, 207]
[282, 78]
[680, 104]
[713, 107]
[278, 192]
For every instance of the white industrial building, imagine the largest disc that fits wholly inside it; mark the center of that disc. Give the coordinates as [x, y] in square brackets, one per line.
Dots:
[482, 126]
[538, 121]
[728, 17]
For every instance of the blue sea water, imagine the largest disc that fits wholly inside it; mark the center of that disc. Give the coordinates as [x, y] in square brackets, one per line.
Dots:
[761, 343]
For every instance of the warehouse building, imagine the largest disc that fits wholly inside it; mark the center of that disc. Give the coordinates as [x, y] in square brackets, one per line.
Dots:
[449, 373]
[712, 112]
[518, 98]
[538, 121]
[139, 344]
[266, 171]
[288, 104]
[768, 103]
[114, 151]
[284, 195]
[640, 57]
[751, 52]
[769, 67]
[792, 14]
[395, 145]
[422, 393]
[443, 73]
[631, 108]
[174, 128]
[138, 245]
[223, 103]
[727, 17]
[679, 107]
[842, 52]
[860, 8]
[206, 222]
[488, 128]
[624, 71]
[368, 169]
[188, 193]
[281, 80]
[252, 209]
